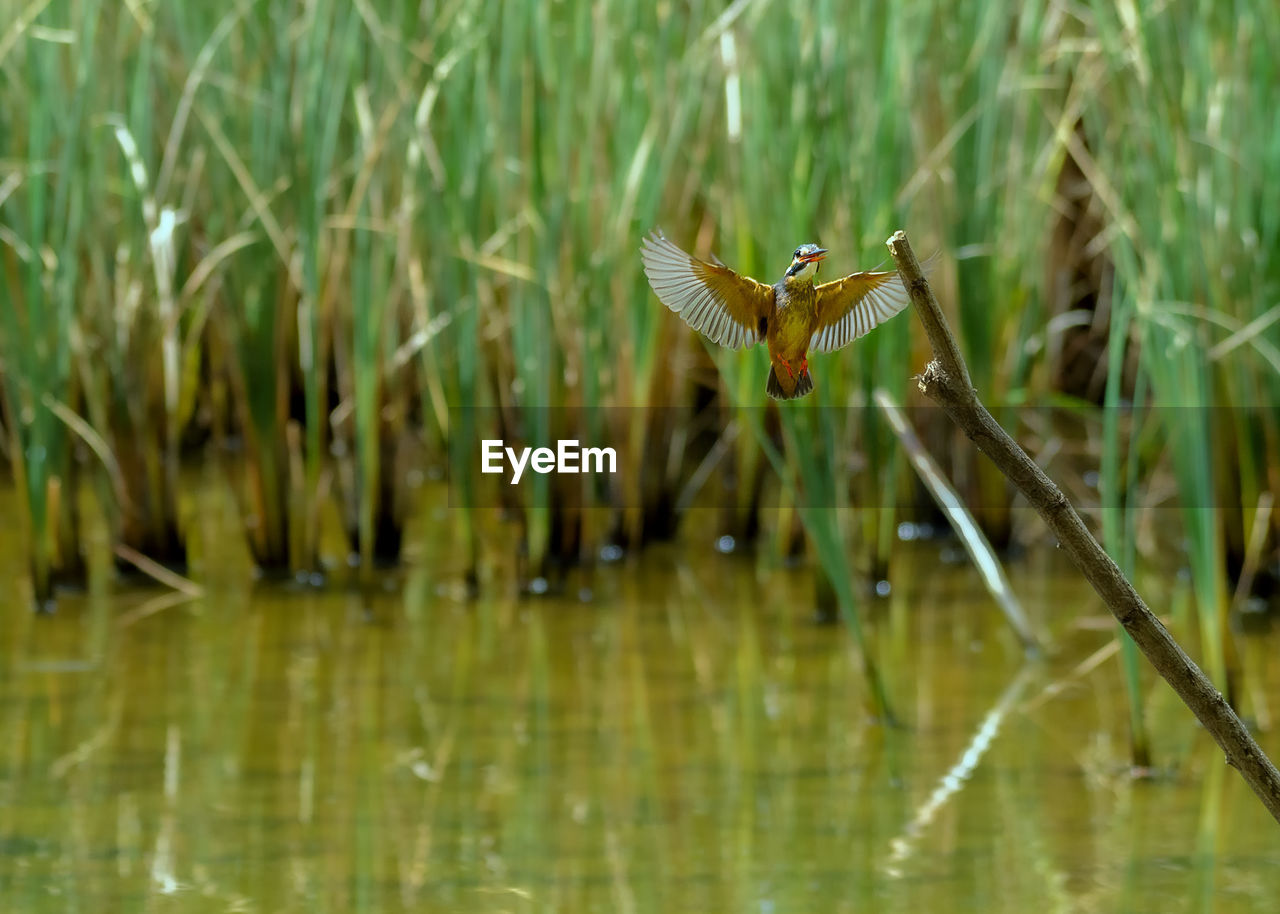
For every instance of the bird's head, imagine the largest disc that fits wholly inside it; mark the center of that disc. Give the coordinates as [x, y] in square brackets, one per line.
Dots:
[804, 263]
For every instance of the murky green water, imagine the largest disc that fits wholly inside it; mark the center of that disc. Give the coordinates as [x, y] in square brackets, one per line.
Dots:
[682, 741]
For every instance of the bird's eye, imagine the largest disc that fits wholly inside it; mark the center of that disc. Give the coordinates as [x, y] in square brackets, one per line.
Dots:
[796, 255]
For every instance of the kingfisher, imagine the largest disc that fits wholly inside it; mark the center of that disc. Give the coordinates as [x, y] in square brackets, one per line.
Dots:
[793, 316]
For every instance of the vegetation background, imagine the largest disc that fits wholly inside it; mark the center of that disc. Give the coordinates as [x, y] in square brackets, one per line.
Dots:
[340, 238]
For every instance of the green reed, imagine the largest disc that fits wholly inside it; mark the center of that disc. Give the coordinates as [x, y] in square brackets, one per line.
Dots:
[280, 165]
[1118, 491]
[51, 188]
[1195, 250]
[386, 333]
[256, 324]
[1000, 82]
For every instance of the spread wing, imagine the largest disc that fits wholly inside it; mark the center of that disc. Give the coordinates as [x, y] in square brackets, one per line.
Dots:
[849, 308]
[714, 300]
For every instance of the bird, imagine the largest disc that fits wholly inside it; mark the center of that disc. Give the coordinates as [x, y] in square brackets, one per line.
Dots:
[793, 316]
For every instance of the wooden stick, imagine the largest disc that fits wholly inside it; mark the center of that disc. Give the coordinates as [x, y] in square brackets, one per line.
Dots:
[945, 380]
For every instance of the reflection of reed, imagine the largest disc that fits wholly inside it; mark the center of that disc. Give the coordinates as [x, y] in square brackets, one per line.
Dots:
[687, 743]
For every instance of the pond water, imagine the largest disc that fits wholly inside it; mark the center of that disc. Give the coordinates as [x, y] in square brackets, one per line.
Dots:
[680, 738]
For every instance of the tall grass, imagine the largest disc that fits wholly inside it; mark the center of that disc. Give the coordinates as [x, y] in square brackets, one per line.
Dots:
[1194, 241]
[1000, 81]
[51, 191]
[321, 230]
[1119, 489]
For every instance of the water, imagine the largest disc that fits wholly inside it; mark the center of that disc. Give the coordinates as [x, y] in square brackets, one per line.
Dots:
[685, 740]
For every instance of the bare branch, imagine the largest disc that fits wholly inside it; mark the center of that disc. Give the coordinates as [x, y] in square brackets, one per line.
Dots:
[946, 381]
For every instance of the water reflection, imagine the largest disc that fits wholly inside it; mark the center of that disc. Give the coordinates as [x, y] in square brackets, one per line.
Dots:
[687, 741]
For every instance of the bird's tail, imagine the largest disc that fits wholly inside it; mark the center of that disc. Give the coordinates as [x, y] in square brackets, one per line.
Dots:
[804, 385]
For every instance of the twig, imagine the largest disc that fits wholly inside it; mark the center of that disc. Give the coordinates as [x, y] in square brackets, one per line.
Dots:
[946, 381]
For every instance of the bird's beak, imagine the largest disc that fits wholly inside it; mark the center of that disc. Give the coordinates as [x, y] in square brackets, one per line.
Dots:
[817, 256]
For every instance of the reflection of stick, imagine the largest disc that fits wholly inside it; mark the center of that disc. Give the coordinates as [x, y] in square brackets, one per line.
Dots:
[953, 780]
[984, 557]
[1252, 558]
[158, 572]
[1079, 671]
[1253, 551]
[946, 381]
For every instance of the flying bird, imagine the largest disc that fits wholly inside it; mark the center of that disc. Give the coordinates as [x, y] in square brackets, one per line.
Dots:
[793, 315]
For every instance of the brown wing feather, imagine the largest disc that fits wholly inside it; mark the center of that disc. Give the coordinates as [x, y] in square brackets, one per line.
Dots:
[714, 300]
[849, 308]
